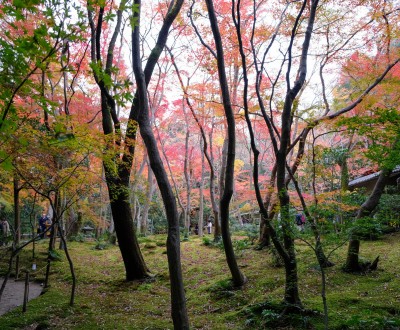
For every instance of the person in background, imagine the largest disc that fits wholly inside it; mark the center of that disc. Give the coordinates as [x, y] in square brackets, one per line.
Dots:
[5, 231]
[42, 224]
[209, 227]
[300, 221]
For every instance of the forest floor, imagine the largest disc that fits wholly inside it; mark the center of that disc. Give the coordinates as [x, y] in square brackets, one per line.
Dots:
[104, 300]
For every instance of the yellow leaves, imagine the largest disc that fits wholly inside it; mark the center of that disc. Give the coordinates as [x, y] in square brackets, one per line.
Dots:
[238, 164]
[219, 141]
[246, 208]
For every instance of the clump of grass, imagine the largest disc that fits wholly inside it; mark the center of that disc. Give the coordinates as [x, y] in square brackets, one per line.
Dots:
[207, 241]
[55, 255]
[78, 238]
[101, 245]
[222, 289]
[150, 245]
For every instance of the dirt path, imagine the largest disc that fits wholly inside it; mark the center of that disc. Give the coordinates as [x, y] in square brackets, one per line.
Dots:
[13, 295]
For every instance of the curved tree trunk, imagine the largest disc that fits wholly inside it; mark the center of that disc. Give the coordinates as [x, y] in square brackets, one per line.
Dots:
[352, 261]
[178, 301]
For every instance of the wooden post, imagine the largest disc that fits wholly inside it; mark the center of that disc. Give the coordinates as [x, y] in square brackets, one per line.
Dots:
[26, 292]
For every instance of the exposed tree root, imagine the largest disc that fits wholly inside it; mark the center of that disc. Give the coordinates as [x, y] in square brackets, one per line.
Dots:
[363, 267]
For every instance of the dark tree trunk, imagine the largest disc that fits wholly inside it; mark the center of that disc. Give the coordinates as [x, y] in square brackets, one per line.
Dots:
[237, 277]
[352, 262]
[135, 266]
[265, 239]
[178, 300]
[291, 284]
[17, 222]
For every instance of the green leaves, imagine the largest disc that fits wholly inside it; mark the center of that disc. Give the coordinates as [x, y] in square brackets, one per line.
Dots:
[381, 128]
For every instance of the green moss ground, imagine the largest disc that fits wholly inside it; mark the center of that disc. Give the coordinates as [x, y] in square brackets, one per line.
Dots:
[105, 301]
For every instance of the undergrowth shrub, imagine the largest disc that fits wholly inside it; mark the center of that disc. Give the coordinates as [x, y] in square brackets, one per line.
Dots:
[367, 228]
[101, 245]
[78, 238]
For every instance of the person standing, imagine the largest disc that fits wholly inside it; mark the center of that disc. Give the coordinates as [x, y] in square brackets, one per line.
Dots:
[42, 224]
[5, 231]
[209, 227]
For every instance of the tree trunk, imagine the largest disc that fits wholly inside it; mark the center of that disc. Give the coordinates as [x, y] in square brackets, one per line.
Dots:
[237, 277]
[221, 183]
[187, 174]
[352, 262]
[117, 169]
[213, 199]
[178, 300]
[17, 223]
[135, 266]
[146, 207]
[201, 192]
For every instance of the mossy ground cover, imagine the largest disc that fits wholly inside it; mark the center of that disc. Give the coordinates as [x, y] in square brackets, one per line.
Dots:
[105, 301]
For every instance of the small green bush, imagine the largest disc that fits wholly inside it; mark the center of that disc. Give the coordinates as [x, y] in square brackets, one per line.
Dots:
[207, 241]
[101, 245]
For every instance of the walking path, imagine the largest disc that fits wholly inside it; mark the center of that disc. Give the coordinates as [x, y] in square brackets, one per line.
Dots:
[13, 295]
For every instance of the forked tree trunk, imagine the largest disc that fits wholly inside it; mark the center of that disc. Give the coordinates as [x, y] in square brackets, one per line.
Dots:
[291, 288]
[117, 170]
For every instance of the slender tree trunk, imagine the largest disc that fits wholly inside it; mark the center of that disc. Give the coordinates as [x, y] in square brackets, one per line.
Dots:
[221, 184]
[237, 277]
[17, 223]
[201, 193]
[213, 198]
[186, 170]
[146, 206]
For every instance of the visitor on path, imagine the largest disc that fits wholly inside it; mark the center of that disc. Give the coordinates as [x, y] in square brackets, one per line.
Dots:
[300, 221]
[196, 229]
[4, 231]
[42, 224]
[209, 227]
